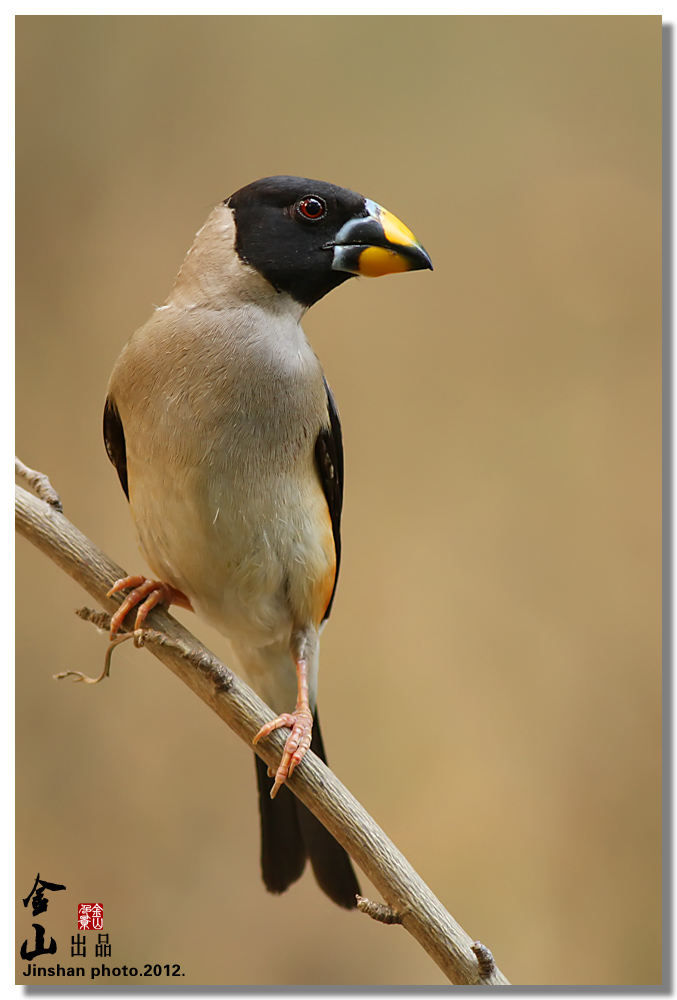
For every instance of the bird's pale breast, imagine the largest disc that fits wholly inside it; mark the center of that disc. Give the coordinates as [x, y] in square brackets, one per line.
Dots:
[224, 492]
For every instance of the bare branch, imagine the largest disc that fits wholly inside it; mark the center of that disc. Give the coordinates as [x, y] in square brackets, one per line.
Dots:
[317, 787]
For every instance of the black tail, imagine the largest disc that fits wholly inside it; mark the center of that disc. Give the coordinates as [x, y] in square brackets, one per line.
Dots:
[290, 834]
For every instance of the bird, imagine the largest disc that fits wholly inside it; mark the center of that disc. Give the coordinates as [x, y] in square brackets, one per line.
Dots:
[227, 442]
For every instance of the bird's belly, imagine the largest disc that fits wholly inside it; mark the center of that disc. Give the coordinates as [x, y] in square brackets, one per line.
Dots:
[255, 576]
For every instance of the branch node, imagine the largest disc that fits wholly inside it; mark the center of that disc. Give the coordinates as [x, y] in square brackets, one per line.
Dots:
[39, 483]
[142, 636]
[485, 960]
[101, 619]
[220, 676]
[381, 912]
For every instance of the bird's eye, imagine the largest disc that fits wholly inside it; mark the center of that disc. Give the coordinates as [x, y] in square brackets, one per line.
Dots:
[311, 208]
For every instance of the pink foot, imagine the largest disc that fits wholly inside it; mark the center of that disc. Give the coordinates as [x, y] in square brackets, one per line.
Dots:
[301, 724]
[146, 594]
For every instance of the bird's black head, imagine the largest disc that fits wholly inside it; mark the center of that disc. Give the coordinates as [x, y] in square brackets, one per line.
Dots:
[306, 237]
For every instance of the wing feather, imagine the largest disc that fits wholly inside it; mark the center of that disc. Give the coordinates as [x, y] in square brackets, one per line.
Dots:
[329, 464]
[114, 438]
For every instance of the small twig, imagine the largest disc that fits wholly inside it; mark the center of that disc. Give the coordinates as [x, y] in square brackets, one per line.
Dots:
[114, 643]
[38, 482]
[140, 637]
[381, 912]
[98, 618]
[485, 960]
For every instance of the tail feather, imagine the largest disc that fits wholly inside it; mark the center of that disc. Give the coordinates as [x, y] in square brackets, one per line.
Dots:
[290, 834]
[283, 853]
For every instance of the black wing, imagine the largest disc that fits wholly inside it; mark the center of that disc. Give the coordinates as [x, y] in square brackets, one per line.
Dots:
[329, 462]
[114, 437]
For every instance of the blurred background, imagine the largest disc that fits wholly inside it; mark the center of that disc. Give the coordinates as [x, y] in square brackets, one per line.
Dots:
[490, 677]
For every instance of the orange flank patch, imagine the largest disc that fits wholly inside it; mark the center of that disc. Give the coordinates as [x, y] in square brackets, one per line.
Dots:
[325, 586]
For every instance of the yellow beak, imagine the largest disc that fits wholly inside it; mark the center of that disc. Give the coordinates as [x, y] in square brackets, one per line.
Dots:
[377, 243]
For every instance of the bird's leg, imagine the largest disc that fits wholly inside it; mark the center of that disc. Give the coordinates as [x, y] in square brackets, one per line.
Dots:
[300, 721]
[146, 594]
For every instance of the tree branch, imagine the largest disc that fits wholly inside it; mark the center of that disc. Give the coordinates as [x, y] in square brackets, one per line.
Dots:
[406, 894]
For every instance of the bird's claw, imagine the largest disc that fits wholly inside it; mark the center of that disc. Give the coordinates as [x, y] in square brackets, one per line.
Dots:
[301, 724]
[146, 594]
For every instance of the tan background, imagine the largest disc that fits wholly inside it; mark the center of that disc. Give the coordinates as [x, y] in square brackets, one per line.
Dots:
[490, 677]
